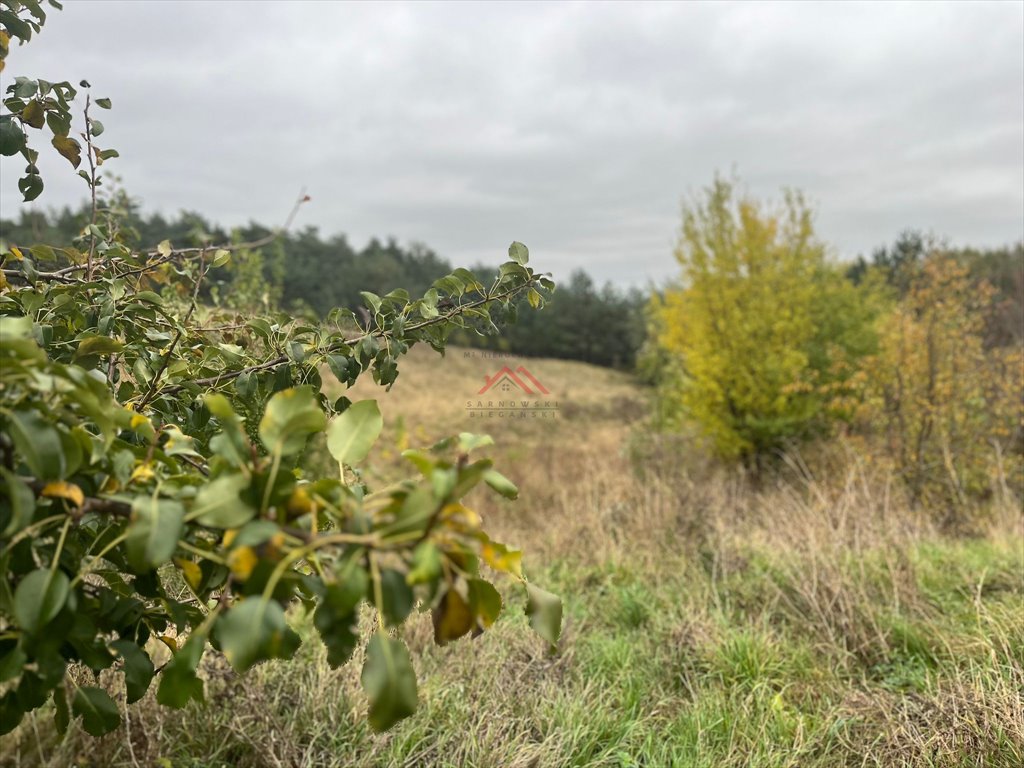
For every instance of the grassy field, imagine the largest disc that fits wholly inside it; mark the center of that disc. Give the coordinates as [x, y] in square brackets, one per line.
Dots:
[810, 621]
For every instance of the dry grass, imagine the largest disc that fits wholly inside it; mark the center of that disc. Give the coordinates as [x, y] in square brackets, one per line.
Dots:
[811, 621]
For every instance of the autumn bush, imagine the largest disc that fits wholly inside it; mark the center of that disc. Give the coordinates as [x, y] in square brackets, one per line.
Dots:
[764, 345]
[762, 332]
[945, 410]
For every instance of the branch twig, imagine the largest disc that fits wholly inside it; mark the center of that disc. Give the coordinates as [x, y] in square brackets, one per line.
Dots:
[282, 359]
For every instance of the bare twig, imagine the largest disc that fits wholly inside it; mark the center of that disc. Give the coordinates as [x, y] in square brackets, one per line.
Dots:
[63, 275]
[92, 187]
[274, 234]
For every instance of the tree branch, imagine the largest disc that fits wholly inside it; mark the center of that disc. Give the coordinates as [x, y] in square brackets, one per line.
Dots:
[63, 275]
[282, 359]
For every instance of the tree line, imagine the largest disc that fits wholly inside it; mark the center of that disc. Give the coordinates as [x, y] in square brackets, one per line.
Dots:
[306, 272]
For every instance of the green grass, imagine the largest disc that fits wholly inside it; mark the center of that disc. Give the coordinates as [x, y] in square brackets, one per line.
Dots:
[652, 673]
[707, 625]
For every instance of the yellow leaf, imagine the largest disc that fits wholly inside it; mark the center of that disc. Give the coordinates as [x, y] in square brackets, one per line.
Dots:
[17, 254]
[299, 503]
[502, 558]
[142, 472]
[241, 561]
[169, 641]
[452, 618]
[229, 536]
[191, 571]
[64, 490]
[461, 518]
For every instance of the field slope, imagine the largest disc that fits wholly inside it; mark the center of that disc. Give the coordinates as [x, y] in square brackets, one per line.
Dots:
[710, 622]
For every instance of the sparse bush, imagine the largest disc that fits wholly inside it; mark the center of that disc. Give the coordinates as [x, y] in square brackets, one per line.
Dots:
[947, 409]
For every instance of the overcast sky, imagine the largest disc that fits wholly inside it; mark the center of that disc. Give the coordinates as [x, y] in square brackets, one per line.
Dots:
[576, 128]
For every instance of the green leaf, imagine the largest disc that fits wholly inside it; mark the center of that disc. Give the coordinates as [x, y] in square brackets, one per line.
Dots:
[372, 300]
[351, 435]
[484, 601]
[178, 682]
[58, 122]
[30, 186]
[69, 149]
[149, 296]
[97, 345]
[545, 612]
[254, 631]
[397, 596]
[154, 532]
[95, 126]
[61, 712]
[21, 500]
[178, 443]
[426, 564]
[232, 443]
[19, 29]
[12, 659]
[519, 253]
[218, 505]
[220, 258]
[33, 114]
[11, 713]
[12, 138]
[103, 103]
[39, 598]
[98, 711]
[469, 442]
[345, 369]
[138, 669]
[498, 482]
[292, 415]
[389, 681]
[336, 617]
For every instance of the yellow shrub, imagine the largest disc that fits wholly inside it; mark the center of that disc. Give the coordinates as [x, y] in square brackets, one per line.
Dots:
[948, 409]
[762, 330]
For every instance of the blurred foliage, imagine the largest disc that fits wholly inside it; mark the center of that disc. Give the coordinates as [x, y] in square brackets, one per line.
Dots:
[945, 404]
[762, 336]
[916, 355]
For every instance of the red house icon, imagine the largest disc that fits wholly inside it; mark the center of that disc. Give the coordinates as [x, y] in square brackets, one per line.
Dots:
[506, 378]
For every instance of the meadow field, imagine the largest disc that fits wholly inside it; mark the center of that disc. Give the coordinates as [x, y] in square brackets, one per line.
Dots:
[812, 619]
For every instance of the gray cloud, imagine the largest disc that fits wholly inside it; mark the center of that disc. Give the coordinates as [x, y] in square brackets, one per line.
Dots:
[577, 128]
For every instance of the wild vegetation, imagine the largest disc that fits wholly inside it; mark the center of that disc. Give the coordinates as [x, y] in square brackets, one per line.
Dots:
[767, 345]
[791, 537]
[710, 620]
[305, 273]
[151, 463]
